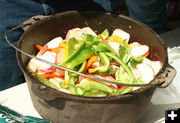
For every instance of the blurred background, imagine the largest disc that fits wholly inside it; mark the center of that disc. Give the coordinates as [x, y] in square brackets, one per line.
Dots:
[173, 13]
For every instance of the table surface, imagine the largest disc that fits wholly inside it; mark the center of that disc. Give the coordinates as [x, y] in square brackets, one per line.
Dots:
[18, 98]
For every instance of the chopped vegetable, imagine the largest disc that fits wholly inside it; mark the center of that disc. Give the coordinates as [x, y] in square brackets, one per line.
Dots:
[38, 47]
[106, 56]
[91, 60]
[51, 75]
[74, 54]
[45, 81]
[89, 85]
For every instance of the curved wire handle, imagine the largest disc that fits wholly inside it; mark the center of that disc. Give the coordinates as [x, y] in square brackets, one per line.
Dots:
[63, 68]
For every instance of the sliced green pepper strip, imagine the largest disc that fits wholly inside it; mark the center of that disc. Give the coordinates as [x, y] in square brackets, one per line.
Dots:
[105, 34]
[105, 61]
[139, 81]
[105, 46]
[73, 90]
[118, 91]
[127, 69]
[138, 60]
[44, 80]
[89, 39]
[95, 92]
[79, 91]
[126, 90]
[81, 69]
[90, 92]
[84, 54]
[132, 63]
[122, 53]
[70, 46]
[89, 85]
[74, 54]
[73, 80]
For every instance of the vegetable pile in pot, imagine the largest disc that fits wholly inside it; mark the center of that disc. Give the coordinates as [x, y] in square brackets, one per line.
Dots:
[106, 56]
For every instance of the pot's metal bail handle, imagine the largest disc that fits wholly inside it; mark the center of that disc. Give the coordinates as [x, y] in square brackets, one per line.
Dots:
[166, 77]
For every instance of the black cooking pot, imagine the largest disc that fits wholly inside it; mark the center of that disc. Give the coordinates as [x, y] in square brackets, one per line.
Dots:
[61, 107]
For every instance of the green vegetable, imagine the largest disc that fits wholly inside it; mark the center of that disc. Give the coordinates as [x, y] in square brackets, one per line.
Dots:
[122, 52]
[126, 68]
[70, 46]
[105, 61]
[105, 34]
[95, 92]
[118, 91]
[138, 60]
[73, 90]
[84, 54]
[126, 90]
[89, 85]
[89, 39]
[132, 63]
[45, 81]
[105, 47]
[108, 72]
[79, 91]
[82, 45]
[81, 69]
[72, 80]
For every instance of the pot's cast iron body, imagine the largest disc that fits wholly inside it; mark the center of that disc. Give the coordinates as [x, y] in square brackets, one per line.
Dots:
[65, 108]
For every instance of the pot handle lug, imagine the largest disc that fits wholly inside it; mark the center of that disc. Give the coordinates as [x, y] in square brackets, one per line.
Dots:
[165, 78]
[44, 92]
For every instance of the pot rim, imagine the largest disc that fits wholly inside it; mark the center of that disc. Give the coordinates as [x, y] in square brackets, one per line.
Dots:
[84, 98]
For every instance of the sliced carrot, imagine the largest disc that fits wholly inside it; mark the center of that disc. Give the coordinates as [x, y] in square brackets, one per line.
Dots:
[101, 38]
[51, 76]
[56, 50]
[91, 60]
[38, 47]
[146, 54]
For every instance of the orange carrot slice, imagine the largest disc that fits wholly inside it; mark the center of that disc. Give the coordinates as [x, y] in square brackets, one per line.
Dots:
[38, 47]
[56, 50]
[91, 60]
[101, 38]
[51, 76]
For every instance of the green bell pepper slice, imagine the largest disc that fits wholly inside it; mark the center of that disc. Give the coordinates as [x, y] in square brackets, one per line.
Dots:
[70, 46]
[95, 92]
[84, 54]
[105, 61]
[126, 68]
[81, 69]
[44, 80]
[90, 85]
[106, 47]
[82, 45]
[105, 34]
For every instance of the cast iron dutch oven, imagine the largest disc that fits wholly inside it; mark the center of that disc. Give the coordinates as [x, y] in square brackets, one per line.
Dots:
[61, 107]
